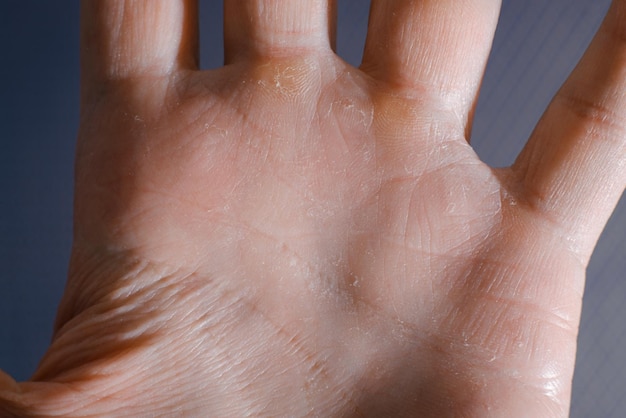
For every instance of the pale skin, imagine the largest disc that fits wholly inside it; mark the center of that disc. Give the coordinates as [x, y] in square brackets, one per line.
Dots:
[292, 236]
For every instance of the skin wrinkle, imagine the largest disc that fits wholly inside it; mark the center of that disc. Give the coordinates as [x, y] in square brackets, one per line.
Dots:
[548, 315]
[516, 194]
[566, 241]
[494, 273]
[421, 66]
[278, 30]
[120, 17]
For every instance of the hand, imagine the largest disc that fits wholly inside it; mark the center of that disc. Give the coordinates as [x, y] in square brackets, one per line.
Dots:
[289, 235]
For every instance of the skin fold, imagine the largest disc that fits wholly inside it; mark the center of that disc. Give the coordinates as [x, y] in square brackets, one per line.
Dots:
[289, 235]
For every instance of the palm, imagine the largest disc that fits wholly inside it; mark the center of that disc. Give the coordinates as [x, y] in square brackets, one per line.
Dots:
[300, 237]
[365, 243]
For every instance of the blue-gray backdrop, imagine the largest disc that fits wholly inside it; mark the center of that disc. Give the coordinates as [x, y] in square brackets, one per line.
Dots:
[537, 44]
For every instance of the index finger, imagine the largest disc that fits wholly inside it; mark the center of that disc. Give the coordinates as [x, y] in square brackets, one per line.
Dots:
[123, 39]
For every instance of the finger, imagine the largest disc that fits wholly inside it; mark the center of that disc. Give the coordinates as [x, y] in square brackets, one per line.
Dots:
[278, 28]
[573, 169]
[433, 47]
[128, 38]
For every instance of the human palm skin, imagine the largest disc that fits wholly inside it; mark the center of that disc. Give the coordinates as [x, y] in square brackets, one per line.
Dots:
[292, 236]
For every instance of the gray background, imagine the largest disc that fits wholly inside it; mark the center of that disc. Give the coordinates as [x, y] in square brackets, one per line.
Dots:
[537, 44]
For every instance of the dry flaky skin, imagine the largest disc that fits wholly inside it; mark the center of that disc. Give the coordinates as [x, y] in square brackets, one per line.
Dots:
[292, 236]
